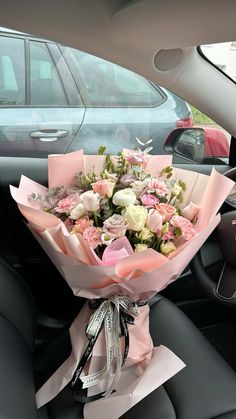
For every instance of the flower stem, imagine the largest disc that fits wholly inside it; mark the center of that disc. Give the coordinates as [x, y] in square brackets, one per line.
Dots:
[95, 219]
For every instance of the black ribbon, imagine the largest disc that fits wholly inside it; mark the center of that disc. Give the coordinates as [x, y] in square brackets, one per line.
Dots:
[125, 320]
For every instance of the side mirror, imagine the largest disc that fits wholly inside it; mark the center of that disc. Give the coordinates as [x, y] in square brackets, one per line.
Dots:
[198, 144]
[187, 142]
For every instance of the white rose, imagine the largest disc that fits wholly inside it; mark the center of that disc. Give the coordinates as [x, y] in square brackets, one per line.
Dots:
[90, 201]
[135, 216]
[191, 211]
[140, 247]
[124, 197]
[77, 212]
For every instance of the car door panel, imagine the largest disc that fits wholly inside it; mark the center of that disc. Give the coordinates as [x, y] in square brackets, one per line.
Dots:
[117, 128]
[16, 126]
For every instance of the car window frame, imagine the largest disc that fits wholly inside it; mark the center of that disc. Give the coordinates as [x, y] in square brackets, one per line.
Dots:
[7, 35]
[27, 39]
[71, 62]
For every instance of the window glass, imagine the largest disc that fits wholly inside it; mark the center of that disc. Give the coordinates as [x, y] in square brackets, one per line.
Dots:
[217, 140]
[223, 55]
[46, 88]
[104, 84]
[12, 72]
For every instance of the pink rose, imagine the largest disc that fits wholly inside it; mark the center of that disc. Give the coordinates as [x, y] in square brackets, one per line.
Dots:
[185, 226]
[166, 210]
[158, 186]
[81, 225]
[135, 158]
[155, 220]
[190, 211]
[149, 200]
[126, 180]
[68, 203]
[93, 236]
[115, 226]
[104, 187]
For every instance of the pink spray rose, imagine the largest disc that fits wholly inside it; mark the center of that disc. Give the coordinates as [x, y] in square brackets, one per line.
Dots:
[104, 187]
[158, 186]
[169, 235]
[81, 224]
[184, 225]
[166, 210]
[127, 179]
[93, 236]
[115, 226]
[68, 203]
[135, 158]
[149, 200]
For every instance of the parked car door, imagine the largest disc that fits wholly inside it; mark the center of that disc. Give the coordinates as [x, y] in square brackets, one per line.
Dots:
[39, 114]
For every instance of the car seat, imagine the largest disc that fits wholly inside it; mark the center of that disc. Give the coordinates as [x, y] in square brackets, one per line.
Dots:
[205, 389]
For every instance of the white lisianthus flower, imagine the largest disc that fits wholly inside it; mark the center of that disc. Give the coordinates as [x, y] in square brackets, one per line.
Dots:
[106, 239]
[167, 248]
[135, 216]
[90, 201]
[176, 190]
[140, 247]
[145, 234]
[155, 220]
[77, 212]
[124, 197]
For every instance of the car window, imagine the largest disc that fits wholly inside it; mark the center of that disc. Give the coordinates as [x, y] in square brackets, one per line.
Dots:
[223, 56]
[104, 84]
[46, 88]
[12, 72]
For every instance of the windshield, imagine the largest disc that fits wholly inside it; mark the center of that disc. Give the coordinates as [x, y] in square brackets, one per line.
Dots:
[223, 56]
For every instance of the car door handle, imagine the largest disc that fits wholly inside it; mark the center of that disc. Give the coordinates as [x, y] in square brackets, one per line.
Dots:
[48, 135]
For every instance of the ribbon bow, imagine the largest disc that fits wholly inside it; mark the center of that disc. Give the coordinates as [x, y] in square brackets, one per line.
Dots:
[114, 314]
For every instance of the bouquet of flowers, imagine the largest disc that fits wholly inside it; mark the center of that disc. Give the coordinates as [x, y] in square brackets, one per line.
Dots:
[119, 229]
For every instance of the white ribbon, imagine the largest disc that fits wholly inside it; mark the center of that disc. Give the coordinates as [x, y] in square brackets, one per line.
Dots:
[109, 313]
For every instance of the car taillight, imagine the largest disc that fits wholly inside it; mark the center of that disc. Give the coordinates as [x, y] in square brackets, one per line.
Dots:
[185, 122]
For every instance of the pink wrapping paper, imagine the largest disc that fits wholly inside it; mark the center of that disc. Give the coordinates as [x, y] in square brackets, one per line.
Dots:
[138, 276]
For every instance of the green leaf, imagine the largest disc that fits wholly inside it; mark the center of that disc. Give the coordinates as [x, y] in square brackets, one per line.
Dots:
[101, 150]
[182, 185]
[180, 197]
[177, 232]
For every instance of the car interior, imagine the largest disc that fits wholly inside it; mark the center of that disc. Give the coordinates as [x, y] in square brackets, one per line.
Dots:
[195, 316]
